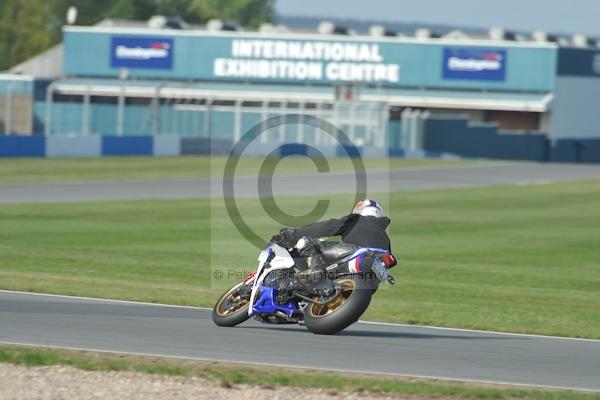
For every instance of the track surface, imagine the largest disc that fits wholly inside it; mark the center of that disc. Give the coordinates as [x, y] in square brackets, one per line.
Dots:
[409, 179]
[365, 347]
[375, 348]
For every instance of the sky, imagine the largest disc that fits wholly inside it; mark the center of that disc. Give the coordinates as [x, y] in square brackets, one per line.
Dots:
[561, 16]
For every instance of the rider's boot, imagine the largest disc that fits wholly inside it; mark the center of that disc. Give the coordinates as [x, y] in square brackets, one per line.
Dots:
[315, 272]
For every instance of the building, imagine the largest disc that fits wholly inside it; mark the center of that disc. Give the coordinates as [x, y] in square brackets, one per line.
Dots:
[201, 89]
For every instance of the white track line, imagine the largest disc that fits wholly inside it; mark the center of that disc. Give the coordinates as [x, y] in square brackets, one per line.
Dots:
[306, 367]
[360, 321]
[477, 331]
[140, 303]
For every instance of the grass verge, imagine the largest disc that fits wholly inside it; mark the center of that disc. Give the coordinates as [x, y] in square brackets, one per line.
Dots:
[516, 259]
[269, 377]
[27, 170]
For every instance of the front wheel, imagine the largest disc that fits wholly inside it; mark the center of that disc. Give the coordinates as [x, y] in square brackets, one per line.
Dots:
[343, 310]
[232, 308]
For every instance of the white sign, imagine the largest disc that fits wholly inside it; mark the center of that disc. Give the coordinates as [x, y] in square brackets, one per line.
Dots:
[311, 60]
[470, 64]
[142, 53]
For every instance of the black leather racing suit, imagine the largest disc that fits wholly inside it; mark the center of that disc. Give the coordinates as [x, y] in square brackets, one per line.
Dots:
[353, 228]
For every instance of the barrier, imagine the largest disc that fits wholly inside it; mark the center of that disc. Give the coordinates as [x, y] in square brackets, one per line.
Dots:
[22, 146]
[373, 152]
[127, 146]
[167, 145]
[205, 146]
[587, 151]
[443, 138]
[348, 151]
[65, 146]
[576, 150]
[293, 149]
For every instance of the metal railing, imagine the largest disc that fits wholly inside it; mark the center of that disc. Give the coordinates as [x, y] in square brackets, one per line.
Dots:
[160, 111]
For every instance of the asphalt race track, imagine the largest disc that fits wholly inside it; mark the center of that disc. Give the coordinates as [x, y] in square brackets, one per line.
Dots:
[409, 179]
[150, 329]
[365, 347]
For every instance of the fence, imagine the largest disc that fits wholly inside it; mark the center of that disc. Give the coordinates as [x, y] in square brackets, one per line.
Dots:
[102, 109]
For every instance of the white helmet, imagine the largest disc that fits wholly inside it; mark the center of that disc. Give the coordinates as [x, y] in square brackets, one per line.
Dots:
[368, 208]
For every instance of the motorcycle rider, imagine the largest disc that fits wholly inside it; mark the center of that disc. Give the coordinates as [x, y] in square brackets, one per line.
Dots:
[364, 227]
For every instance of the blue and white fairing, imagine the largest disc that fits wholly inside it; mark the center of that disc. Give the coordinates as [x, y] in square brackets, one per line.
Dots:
[263, 298]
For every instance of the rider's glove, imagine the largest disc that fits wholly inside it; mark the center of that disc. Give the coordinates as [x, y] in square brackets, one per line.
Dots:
[285, 238]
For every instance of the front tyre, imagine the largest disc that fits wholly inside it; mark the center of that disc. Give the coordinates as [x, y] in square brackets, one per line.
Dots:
[343, 310]
[232, 308]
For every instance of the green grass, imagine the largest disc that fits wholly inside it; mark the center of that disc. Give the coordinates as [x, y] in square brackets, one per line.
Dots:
[231, 374]
[138, 168]
[519, 259]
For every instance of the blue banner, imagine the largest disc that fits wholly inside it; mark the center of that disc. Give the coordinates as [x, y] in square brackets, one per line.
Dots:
[474, 64]
[141, 52]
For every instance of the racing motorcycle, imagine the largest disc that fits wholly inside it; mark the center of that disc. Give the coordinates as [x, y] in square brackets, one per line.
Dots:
[326, 300]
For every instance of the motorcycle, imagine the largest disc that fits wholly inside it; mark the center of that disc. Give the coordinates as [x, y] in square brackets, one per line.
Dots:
[326, 301]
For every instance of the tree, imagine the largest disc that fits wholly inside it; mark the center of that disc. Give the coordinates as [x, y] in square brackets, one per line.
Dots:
[30, 27]
[249, 13]
[23, 30]
[180, 8]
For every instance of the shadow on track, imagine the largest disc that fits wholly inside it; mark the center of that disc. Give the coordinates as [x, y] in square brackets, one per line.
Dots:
[408, 335]
[376, 334]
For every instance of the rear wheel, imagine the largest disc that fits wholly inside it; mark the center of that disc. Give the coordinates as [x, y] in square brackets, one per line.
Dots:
[343, 310]
[232, 308]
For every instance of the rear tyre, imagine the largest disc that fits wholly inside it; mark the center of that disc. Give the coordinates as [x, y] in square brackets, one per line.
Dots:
[342, 311]
[231, 309]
